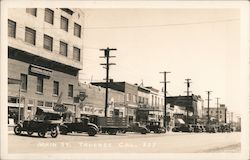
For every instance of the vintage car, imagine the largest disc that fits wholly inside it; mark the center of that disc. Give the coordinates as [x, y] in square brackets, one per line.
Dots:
[136, 127]
[197, 128]
[211, 129]
[46, 120]
[183, 128]
[155, 126]
[79, 125]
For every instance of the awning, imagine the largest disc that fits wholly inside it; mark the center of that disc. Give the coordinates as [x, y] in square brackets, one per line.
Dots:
[46, 110]
[179, 120]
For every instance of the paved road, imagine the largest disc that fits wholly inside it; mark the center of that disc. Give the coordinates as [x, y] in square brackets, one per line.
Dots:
[127, 143]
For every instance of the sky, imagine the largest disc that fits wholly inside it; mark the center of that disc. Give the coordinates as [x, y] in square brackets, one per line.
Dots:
[200, 44]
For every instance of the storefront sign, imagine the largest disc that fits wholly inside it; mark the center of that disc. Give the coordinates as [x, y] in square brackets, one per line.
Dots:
[40, 70]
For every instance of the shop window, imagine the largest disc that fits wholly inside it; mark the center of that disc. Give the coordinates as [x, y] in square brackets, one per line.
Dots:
[12, 99]
[49, 16]
[30, 35]
[48, 42]
[48, 104]
[24, 82]
[70, 90]
[64, 23]
[11, 28]
[55, 88]
[63, 48]
[77, 30]
[40, 103]
[31, 11]
[39, 87]
[76, 54]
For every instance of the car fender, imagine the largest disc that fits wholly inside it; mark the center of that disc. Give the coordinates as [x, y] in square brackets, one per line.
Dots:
[20, 125]
[63, 126]
[94, 126]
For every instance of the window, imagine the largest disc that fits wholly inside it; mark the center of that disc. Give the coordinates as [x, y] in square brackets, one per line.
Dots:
[211, 112]
[127, 98]
[64, 23]
[24, 82]
[220, 116]
[30, 35]
[63, 48]
[56, 88]
[76, 54]
[220, 112]
[31, 11]
[39, 87]
[39, 103]
[11, 28]
[48, 42]
[29, 108]
[49, 16]
[48, 104]
[77, 30]
[70, 90]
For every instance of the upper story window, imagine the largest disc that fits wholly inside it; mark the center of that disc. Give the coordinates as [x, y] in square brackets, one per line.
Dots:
[64, 23]
[49, 16]
[11, 28]
[76, 54]
[30, 35]
[63, 48]
[24, 82]
[56, 88]
[70, 90]
[48, 42]
[77, 30]
[31, 11]
[39, 87]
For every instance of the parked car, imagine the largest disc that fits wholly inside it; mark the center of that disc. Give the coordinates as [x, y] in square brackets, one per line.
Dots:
[197, 128]
[45, 120]
[211, 129]
[183, 128]
[79, 125]
[137, 127]
[155, 126]
[203, 129]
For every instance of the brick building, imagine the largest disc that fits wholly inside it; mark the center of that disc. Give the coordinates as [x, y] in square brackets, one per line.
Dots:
[130, 96]
[45, 54]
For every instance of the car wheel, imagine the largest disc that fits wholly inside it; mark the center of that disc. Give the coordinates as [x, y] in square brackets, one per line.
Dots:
[54, 133]
[41, 134]
[30, 133]
[17, 130]
[92, 131]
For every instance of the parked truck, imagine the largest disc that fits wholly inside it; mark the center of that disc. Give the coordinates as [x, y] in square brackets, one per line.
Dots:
[110, 125]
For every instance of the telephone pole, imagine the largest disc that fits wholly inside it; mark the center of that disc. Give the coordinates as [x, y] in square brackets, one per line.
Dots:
[107, 64]
[188, 85]
[217, 109]
[165, 98]
[208, 94]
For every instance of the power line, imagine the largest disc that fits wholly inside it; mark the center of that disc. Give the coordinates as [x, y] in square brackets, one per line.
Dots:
[146, 26]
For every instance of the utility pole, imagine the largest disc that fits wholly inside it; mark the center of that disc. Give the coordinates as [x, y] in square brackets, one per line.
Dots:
[107, 64]
[165, 97]
[188, 85]
[217, 109]
[208, 94]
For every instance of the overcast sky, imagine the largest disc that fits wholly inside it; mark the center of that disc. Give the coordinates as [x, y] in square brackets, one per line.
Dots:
[201, 44]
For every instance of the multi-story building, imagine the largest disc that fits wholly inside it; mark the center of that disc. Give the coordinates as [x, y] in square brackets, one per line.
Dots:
[130, 96]
[45, 50]
[215, 115]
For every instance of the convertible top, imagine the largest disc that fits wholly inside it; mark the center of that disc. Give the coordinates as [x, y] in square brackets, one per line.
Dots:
[41, 110]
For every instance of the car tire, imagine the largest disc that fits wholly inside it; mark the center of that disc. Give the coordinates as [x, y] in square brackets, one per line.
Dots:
[54, 132]
[92, 131]
[17, 130]
[41, 134]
